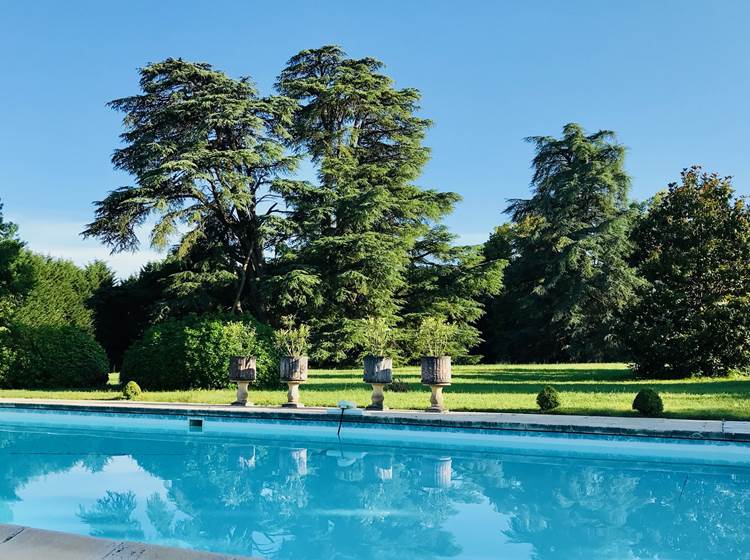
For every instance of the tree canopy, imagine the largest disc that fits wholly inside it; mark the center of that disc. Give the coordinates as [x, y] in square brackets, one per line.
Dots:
[205, 151]
[692, 317]
[357, 225]
[15, 268]
[221, 181]
[215, 164]
[568, 246]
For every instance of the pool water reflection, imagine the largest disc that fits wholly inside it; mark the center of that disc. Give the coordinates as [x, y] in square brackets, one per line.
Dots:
[279, 500]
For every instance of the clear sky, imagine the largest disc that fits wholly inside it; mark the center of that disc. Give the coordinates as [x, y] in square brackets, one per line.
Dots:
[671, 77]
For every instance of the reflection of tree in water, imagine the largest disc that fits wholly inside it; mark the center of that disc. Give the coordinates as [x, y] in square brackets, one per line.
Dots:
[575, 509]
[290, 503]
[396, 518]
[698, 516]
[160, 515]
[22, 459]
[112, 516]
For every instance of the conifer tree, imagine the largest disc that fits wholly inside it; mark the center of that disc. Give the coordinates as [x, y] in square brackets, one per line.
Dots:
[451, 281]
[16, 280]
[358, 223]
[569, 276]
[16, 274]
[205, 151]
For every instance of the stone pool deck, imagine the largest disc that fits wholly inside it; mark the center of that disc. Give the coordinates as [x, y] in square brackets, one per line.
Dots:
[601, 425]
[23, 543]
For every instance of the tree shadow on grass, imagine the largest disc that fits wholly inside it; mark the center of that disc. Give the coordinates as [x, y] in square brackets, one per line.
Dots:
[550, 376]
[501, 373]
[732, 389]
[62, 393]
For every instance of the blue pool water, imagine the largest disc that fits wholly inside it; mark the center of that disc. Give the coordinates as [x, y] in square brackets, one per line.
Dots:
[279, 491]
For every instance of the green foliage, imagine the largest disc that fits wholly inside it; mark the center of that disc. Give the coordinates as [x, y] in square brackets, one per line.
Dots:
[16, 274]
[548, 398]
[357, 225]
[450, 281]
[210, 161]
[131, 391]
[206, 151]
[60, 293]
[568, 279]
[53, 356]
[292, 340]
[8, 355]
[436, 337]
[648, 402]
[375, 337]
[174, 287]
[693, 315]
[46, 326]
[194, 352]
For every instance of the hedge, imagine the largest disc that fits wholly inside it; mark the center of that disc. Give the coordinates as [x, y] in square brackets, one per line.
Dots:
[51, 357]
[193, 353]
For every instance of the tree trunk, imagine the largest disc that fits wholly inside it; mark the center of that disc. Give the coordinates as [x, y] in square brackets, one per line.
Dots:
[237, 305]
[252, 269]
[257, 304]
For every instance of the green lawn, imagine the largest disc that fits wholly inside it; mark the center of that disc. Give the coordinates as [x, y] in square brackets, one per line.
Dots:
[601, 389]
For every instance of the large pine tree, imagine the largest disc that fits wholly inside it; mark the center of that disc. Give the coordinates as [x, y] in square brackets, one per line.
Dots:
[568, 279]
[205, 151]
[358, 223]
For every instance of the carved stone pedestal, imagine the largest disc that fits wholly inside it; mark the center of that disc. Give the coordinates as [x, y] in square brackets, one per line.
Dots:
[242, 394]
[292, 395]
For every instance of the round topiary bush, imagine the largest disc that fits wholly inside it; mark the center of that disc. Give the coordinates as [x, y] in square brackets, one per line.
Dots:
[648, 402]
[548, 398]
[131, 390]
[193, 353]
[53, 357]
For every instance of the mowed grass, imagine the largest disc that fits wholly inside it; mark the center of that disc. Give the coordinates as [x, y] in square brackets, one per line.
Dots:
[594, 389]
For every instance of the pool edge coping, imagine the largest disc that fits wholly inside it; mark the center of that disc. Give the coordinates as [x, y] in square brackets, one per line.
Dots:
[20, 542]
[721, 430]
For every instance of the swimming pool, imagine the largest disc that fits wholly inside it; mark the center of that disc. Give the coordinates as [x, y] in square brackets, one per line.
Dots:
[282, 490]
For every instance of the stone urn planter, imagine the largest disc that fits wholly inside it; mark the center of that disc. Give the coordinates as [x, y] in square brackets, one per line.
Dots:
[378, 373]
[242, 372]
[436, 372]
[293, 371]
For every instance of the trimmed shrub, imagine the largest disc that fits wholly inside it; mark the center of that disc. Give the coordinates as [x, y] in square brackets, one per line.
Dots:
[648, 402]
[193, 353]
[52, 357]
[131, 390]
[548, 398]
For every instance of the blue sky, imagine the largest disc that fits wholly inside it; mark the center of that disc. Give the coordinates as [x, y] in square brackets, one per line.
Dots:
[670, 77]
